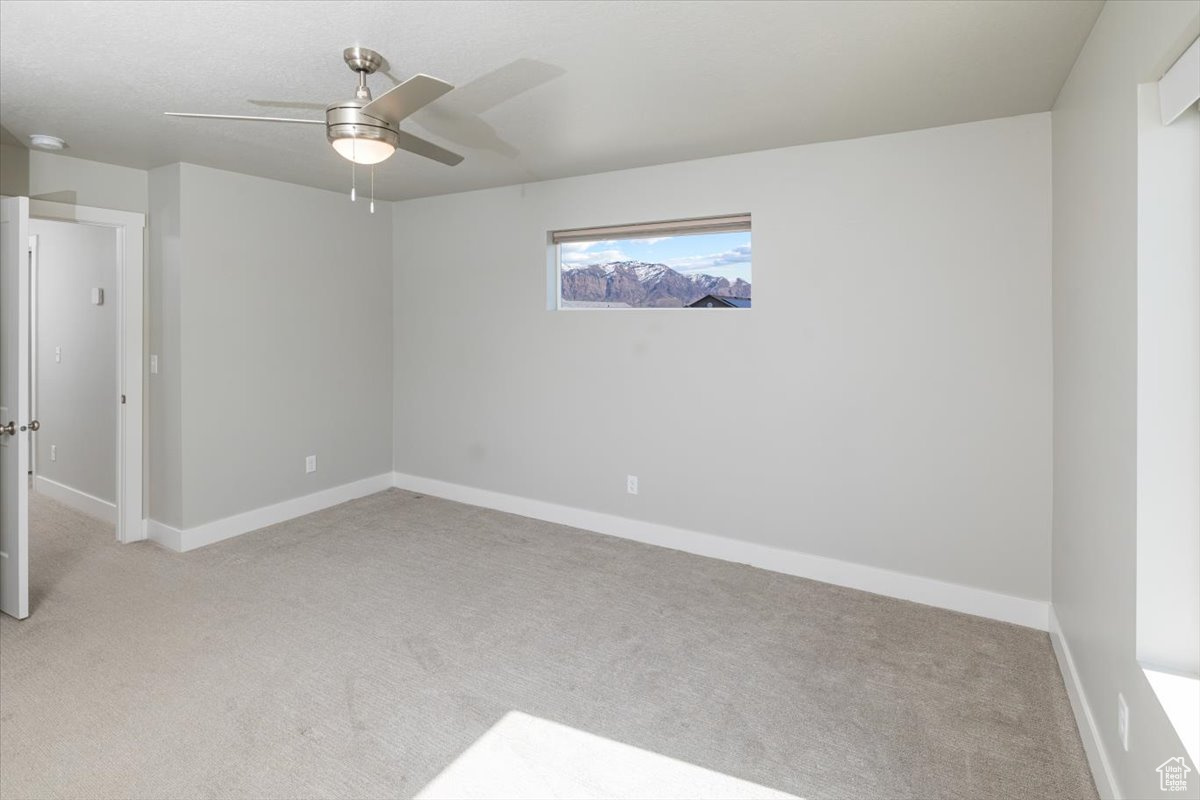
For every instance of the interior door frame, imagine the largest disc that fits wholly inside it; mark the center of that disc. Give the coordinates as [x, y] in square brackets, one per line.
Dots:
[131, 361]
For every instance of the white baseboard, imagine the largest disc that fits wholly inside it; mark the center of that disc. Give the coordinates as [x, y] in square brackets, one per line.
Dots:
[1093, 745]
[187, 539]
[953, 596]
[80, 501]
[165, 535]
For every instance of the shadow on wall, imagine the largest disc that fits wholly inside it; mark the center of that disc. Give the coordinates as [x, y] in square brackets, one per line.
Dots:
[65, 196]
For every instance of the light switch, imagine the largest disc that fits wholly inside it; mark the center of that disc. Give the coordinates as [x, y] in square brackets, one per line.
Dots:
[97, 296]
[58, 354]
[153, 364]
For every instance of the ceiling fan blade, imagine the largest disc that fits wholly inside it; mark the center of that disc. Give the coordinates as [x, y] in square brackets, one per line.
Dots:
[415, 144]
[289, 104]
[398, 102]
[250, 119]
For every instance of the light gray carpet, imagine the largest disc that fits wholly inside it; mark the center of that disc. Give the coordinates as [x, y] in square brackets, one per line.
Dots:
[358, 651]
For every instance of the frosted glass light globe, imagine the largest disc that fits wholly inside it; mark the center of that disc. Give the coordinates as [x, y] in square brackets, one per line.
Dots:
[363, 151]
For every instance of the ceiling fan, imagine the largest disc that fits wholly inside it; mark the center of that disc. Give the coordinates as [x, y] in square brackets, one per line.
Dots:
[366, 130]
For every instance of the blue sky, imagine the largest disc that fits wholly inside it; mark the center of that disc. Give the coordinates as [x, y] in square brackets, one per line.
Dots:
[726, 255]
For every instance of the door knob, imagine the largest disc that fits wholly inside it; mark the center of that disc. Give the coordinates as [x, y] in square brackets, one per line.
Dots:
[33, 425]
[10, 429]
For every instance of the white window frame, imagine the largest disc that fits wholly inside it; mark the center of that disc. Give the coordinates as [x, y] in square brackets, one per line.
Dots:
[690, 226]
[1167, 387]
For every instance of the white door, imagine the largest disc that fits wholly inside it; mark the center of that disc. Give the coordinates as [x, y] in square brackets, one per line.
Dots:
[14, 406]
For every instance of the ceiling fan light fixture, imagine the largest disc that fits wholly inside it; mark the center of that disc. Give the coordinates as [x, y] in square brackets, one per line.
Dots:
[366, 130]
[361, 150]
[357, 136]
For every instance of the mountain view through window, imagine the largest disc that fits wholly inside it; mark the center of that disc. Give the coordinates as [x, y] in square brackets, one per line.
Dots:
[709, 270]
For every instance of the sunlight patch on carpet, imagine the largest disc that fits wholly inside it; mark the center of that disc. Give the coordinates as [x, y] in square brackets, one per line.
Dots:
[528, 758]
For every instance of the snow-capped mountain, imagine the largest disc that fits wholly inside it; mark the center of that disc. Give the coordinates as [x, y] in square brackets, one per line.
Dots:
[644, 285]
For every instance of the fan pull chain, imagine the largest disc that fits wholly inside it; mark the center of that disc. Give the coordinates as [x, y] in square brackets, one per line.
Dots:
[353, 172]
[372, 188]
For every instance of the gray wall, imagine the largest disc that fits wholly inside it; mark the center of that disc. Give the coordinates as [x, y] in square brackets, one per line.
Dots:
[886, 401]
[273, 308]
[14, 170]
[164, 406]
[1095, 372]
[53, 176]
[77, 396]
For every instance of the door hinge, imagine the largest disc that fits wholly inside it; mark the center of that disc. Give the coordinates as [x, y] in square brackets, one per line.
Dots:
[122, 399]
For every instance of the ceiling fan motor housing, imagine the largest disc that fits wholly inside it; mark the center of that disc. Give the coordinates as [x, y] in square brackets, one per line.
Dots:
[346, 120]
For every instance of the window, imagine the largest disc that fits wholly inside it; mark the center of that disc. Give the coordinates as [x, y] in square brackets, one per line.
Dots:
[1168, 393]
[687, 263]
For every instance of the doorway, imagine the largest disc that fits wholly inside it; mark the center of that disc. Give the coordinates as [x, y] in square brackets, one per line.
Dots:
[74, 387]
[93, 444]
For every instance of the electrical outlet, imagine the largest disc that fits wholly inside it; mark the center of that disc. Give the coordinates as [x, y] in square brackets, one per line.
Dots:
[58, 354]
[631, 484]
[310, 464]
[54, 452]
[1123, 721]
[153, 364]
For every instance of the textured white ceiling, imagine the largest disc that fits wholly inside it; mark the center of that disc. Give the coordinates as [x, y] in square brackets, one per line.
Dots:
[546, 89]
